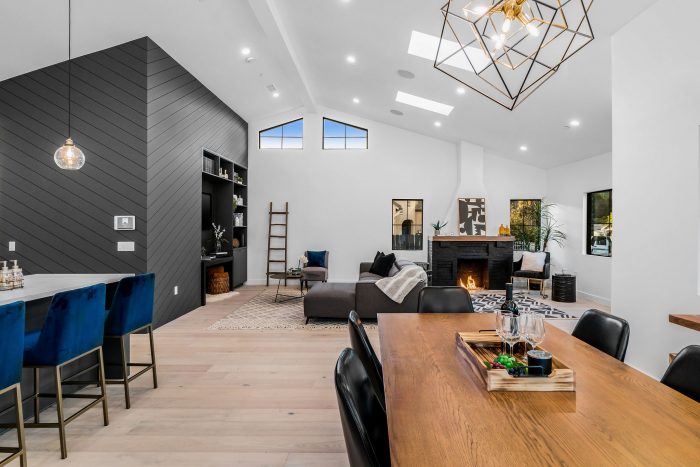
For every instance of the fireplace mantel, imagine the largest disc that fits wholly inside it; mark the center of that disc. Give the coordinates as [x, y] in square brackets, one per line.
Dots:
[472, 238]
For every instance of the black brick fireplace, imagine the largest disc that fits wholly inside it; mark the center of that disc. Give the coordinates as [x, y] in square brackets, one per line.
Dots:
[488, 260]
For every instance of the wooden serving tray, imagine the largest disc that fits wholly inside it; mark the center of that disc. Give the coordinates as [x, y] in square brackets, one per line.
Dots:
[478, 347]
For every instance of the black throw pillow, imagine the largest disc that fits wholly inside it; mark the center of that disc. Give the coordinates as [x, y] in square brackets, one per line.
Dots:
[382, 264]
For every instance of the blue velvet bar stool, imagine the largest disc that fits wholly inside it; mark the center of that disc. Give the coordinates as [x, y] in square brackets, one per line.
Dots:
[131, 312]
[74, 328]
[11, 349]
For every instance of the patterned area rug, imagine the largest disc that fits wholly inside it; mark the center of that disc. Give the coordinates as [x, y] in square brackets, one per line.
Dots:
[490, 302]
[263, 313]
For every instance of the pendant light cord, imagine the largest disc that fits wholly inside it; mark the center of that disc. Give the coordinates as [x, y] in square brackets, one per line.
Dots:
[69, 70]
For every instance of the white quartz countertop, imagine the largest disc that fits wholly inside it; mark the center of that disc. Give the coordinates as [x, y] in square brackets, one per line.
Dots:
[38, 286]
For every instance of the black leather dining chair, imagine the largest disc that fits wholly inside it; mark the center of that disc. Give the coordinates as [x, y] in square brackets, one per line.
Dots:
[605, 332]
[362, 416]
[445, 300]
[683, 374]
[363, 348]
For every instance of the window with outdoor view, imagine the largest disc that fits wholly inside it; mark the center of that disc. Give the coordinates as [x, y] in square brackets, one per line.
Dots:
[525, 222]
[289, 135]
[407, 224]
[339, 135]
[599, 224]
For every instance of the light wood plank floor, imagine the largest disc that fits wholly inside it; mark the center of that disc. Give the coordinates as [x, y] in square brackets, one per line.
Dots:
[226, 398]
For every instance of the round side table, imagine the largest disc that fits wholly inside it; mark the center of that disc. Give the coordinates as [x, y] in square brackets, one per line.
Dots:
[564, 288]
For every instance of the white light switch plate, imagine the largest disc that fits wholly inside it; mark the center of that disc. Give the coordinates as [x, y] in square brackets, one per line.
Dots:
[176, 290]
[125, 246]
[11, 246]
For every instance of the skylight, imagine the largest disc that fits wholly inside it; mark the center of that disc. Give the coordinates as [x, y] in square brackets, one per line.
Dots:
[426, 46]
[423, 103]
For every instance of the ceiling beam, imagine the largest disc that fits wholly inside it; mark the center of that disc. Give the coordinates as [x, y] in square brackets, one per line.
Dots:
[271, 22]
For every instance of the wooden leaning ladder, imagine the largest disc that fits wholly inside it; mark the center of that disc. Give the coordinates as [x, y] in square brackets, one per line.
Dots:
[273, 258]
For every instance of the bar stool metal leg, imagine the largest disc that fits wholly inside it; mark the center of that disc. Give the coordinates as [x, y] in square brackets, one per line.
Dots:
[21, 450]
[60, 396]
[59, 412]
[126, 376]
[153, 356]
[125, 371]
[20, 427]
[103, 385]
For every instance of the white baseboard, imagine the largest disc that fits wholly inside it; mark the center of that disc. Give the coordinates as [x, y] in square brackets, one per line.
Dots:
[594, 298]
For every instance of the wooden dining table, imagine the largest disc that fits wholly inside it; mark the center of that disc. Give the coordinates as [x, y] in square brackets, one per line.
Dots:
[440, 413]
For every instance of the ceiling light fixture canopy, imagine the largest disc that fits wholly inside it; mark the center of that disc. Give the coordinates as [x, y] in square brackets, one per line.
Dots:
[69, 156]
[522, 43]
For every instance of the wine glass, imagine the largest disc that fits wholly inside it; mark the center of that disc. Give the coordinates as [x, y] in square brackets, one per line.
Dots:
[511, 330]
[499, 328]
[534, 329]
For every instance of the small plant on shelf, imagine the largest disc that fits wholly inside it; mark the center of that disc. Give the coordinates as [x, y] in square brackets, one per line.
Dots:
[438, 226]
[219, 236]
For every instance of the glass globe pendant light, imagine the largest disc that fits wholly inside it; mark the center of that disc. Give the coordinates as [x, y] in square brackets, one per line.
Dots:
[69, 156]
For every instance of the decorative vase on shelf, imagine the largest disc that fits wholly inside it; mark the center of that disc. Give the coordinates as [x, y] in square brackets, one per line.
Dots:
[218, 246]
[437, 232]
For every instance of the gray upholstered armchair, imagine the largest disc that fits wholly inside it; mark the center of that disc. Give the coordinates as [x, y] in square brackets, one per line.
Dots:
[314, 273]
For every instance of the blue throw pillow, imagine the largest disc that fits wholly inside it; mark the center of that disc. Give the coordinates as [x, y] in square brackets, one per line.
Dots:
[316, 258]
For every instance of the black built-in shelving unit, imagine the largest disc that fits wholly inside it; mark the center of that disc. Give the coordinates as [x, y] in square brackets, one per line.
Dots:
[221, 189]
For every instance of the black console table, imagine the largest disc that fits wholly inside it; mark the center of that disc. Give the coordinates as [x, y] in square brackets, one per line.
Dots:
[564, 288]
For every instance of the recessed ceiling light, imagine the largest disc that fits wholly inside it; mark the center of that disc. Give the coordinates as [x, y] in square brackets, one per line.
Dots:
[249, 59]
[406, 74]
[356, 100]
[423, 103]
[245, 51]
[396, 112]
[350, 59]
[461, 91]
[275, 94]
[523, 148]
[574, 123]
[438, 124]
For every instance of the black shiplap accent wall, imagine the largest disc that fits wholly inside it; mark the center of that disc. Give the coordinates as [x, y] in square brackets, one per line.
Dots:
[183, 117]
[141, 120]
[62, 220]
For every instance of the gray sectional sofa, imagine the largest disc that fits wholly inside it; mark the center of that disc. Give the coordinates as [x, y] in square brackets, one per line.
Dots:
[336, 300]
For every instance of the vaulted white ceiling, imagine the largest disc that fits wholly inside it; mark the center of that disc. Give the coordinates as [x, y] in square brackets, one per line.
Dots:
[300, 47]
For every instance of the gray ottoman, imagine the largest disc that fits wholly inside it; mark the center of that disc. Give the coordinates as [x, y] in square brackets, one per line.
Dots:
[328, 300]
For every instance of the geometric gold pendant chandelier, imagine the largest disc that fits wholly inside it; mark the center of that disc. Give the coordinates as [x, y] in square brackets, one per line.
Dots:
[506, 49]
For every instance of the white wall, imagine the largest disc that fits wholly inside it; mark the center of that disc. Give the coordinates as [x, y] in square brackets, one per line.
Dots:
[656, 113]
[341, 200]
[567, 188]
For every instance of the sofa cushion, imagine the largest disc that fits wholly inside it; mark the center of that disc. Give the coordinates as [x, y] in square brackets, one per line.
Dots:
[329, 300]
[528, 274]
[402, 263]
[533, 262]
[394, 270]
[382, 264]
[314, 273]
[369, 277]
[316, 258]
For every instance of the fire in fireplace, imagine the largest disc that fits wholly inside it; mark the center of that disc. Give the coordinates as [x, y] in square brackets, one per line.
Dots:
[473, 274]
